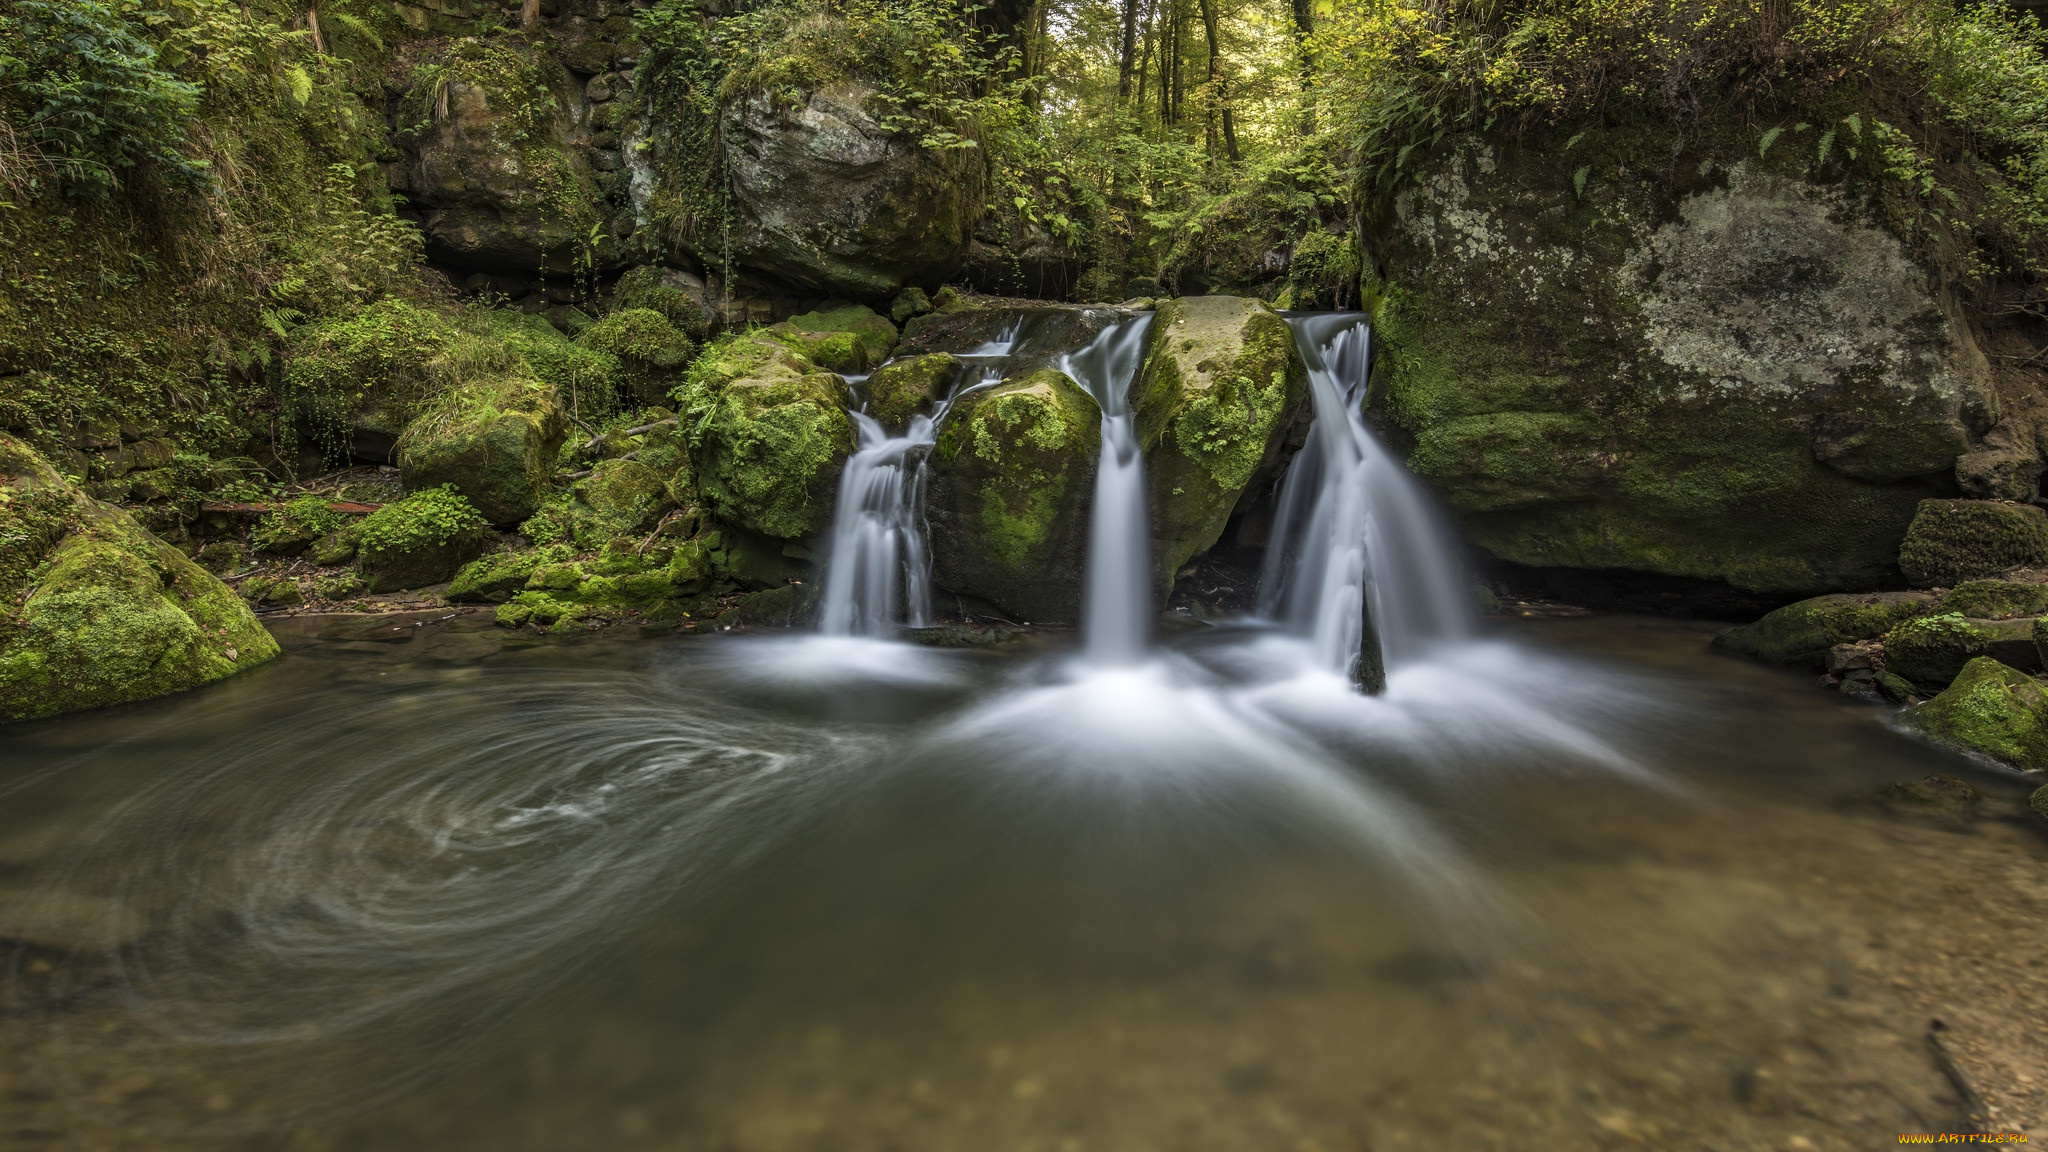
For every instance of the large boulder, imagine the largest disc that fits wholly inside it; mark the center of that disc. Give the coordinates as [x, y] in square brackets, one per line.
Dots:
[1991, 710]
[1802, 633]
[96, 610]
[652, 352]
[1221, 383]
[423, 539]
[1695, 370]
[1012, 477]
[910, 386]
[1932, 650]
[828, 197]
[768, 433]
[496, 168]
[493, 439]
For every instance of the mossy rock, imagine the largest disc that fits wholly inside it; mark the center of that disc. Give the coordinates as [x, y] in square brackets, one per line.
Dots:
[652, 352]
[1951, 541]
[627, 496]
[222, 557]
[909, 387]
[493, 440]
[2038, 802]
[495, 578]
[769, 434]
[789, 606]
[423, 539]
[338, 547]
[1931, 650]
[1802, 633]
[1012, 477]
[874, 331]
[1992, 710]
[98, 611]
[1996, 599]
[1221, 383]
[292, 529]
[1940, 796]
[677, 295]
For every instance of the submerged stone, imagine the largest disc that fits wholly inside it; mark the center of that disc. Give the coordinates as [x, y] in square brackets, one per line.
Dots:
[1951, 541]
[1220, 385]
[96, 610]
[1802, 633]
[1940, 796]
[1012, 478]
[1931, 650]
[1989, 709]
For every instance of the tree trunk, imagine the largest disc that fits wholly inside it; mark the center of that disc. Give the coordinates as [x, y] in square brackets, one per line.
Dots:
[1218, 89]
[313, 25]
[529, 15]
[1304, 28]
[1127, 53]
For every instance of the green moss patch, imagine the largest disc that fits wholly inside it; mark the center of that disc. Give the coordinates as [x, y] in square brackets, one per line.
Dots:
[1992, 710]
[768, 433]
[1951, 541]
[896, 392]
[1802, 633]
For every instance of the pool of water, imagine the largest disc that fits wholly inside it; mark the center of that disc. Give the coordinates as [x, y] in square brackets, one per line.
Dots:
[1583, 884]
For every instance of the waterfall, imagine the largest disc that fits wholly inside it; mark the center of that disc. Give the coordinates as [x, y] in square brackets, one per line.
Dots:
[878, 568]
[1117, 603]
[1358, 553]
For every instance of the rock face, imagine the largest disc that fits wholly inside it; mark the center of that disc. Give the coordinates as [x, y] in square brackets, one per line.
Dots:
[1011, 479]
[98, 611]
[828, 198]
[1730, 376]
[1802, 633]
[769, 434]
[495, 170]
[1950, 541]
[1992, 710]
[1221, 383]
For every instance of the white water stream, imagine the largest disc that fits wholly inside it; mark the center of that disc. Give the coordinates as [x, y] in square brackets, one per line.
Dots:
[1118, 601]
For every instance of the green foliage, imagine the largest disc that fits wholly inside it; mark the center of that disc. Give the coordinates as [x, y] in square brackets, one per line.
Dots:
[427, 518]
[96, 92]
[297, 524]
[381, 356]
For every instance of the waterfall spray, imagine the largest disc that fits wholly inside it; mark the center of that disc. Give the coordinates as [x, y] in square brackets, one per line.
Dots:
[1118, 600]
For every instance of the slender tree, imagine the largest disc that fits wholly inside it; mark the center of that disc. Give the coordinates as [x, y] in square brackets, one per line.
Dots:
[1127, 52]
[1219, 88]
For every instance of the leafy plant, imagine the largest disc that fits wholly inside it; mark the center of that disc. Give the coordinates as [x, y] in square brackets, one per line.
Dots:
[425, 519]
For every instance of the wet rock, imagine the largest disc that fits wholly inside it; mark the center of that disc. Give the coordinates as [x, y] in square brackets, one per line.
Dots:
[1011, 480]
[1992, 710]
[497, 577]
[912, 301]
[499, 182]
[1843, 658]
[1623, 372]
[772, 436]
[789, 606]
[423, 539]
[1931, 650]
[100, 611]
[1220, 385]
[2038, 802]
[909, 387]
[1897, 688]
[1802, 633]
[1940, 796]
[958, 636]
[1951, 541]
[827, 197]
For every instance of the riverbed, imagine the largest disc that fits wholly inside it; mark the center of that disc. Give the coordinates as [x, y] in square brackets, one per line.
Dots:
[428, 884]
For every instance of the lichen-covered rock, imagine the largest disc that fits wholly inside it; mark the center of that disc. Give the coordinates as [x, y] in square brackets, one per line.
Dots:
[1802, 633]
[1996, 599]
[768, 432]
[423, 539]
[827, 197]
[652, 352]
[1716, 370]
[94, 610]
[1931, 650]
[1011, 477]
[1992, 710]
[1221, 383]
[496, 169]
[910, 386]
[1950, 541]
[492, 439]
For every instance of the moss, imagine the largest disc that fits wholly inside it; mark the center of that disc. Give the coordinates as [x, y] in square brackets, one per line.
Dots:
[99, 611]
[1220, 384]
[587, 379]
[1933, 649]
[1996, 599]
[291, 529]
[841, 352]
[768, 433]
[910, 302]
[361, 369]
[877, 335]
[651, 350]
[1951, 541]
[1802, 633]
[339, 586]
[222, 557]
[493, 579]
[627, 496]
[491, 437]
[2039, 802]
[1011, 475]
[1992, 710]
[910, 386]
[423, 539]
[649, 287]
[334, 548]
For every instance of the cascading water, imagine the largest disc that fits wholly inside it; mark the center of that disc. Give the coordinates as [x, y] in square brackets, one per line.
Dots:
[878, 573]
[1117, 602]
[1357, 554]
